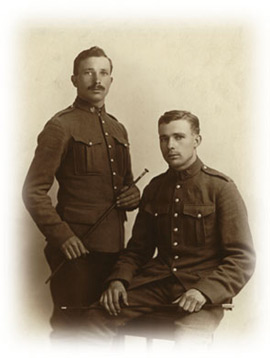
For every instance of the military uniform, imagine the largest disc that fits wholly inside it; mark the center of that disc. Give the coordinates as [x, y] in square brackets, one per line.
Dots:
[87, 150]
[197, 221]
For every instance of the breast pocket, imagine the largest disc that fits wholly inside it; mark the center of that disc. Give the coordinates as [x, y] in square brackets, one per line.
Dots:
[87, 156]
[198, 222]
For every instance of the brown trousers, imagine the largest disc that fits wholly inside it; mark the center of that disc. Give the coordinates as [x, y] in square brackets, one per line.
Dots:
[78, 283]
[100, 327]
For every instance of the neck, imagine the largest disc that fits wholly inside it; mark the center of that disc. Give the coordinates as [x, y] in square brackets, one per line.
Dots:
[99, 104]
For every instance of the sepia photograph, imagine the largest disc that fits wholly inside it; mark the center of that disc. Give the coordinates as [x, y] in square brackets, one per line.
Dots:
[136, 204]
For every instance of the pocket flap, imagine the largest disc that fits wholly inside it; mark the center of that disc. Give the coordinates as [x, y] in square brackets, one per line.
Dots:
[88, 140]
[120, 139]
[198, 210]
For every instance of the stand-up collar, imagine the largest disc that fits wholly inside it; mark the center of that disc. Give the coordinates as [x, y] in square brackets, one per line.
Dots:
[88, 107]
[187, 173]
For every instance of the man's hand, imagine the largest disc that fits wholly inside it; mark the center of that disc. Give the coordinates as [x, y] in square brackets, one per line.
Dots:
[192, 300]
[110, 297]
[128, 199]
[73, 248]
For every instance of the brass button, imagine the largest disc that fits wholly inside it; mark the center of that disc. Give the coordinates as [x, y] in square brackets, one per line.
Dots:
[174, 269]
[178, 186]
[175, 215]
[177, 200]
[175, 229]
[112, 160]
[109, 146]
[115, 187]
[90, 143]
[106, 134]
[113, 173]
[175, 243]
[176, 257]
[156, 214]
[199, 215]
[92, 109]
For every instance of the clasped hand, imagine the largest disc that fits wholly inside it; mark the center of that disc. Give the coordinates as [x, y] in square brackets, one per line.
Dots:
[73, 248]
[128, 199]
[110, 298]
[191, 301]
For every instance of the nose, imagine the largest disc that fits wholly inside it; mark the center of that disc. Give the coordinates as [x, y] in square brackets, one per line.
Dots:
[170, 143]
[97, 78]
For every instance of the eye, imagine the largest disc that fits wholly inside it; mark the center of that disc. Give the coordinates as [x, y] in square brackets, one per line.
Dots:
[89, 73]
[179, 137]
[163, 139]
[104, 73]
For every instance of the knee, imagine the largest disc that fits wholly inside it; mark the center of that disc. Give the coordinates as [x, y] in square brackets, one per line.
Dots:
[202, 323]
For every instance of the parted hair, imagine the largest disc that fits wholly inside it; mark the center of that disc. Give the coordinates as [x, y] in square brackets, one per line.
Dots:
[175, 115]
[91, 52]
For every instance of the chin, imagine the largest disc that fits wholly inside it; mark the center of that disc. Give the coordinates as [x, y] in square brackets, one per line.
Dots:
[175, 165]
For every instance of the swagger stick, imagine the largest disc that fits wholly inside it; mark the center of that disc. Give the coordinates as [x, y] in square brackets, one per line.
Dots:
[168, 307]
[99, 220]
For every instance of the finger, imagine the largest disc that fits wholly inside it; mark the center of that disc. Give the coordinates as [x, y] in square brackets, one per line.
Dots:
[123, 190]
[186, 305]
[111, 304]
[192, 306]
[105, 304]
[182, 301]
[67, 254]
[127, 202]
[177, 300]
[101, 300]
[76, 248]
[116, 301]
[198, 307]
[125, 298]
[71, 252]
[82, 248]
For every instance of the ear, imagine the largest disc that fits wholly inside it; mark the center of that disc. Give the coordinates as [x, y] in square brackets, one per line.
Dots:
[74, 80]
[111, 80]
[197, 140]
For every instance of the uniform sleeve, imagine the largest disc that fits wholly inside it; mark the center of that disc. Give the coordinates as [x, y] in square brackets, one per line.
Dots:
[140, 248]
[238, 256]
[51, 148]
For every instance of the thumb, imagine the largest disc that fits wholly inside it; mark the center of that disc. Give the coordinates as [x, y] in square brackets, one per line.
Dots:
[177, 300]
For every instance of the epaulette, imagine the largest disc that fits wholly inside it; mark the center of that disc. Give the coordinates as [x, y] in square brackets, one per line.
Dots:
[110, 115]
[64, 111]
[215, 173]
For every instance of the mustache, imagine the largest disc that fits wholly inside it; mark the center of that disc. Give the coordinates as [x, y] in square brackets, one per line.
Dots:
[94, 87]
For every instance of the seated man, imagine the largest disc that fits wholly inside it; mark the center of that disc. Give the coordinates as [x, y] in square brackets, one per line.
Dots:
[197, 220]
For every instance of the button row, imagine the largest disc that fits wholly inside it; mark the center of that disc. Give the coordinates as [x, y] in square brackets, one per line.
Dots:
[110, 147]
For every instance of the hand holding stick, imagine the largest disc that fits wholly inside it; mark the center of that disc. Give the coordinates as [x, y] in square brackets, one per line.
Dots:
[97, 223]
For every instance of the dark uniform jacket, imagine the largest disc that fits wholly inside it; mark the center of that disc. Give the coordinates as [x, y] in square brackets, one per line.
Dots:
[88, 152]
[198, 222]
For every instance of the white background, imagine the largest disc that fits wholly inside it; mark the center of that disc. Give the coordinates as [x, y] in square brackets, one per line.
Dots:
[213, 62]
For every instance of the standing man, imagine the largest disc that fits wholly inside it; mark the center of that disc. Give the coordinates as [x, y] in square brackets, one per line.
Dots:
[87, 151]
[196, 218]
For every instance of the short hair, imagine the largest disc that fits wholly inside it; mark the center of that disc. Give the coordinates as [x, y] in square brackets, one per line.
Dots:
[91, 52]
[175, 115]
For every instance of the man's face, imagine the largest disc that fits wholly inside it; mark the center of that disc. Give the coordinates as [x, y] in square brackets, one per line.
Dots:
[93, 80]
[178, 144]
